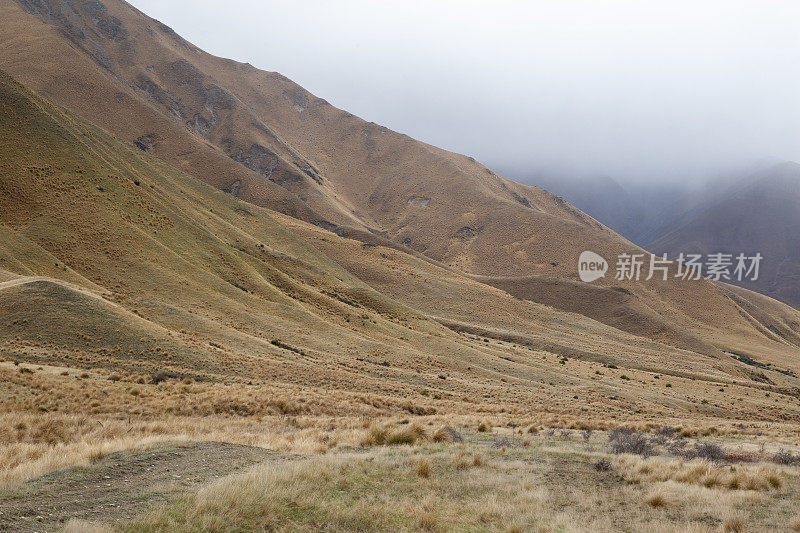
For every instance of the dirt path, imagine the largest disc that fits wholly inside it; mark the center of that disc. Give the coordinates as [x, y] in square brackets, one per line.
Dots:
[122, 485]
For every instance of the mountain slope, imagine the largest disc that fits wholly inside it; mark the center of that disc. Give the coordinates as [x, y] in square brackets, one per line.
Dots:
[264, 139]
[264, 312]
[760, 214]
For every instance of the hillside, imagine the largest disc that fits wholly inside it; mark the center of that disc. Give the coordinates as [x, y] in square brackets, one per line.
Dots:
[262, 138]
[167, 274]
[757, 214]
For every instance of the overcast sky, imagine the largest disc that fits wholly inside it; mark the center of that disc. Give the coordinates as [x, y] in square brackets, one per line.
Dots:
[634, 89]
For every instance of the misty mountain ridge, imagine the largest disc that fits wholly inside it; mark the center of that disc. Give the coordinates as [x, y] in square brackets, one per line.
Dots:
[754, 210]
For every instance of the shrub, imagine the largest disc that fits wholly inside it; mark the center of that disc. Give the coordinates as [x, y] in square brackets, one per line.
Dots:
[483, 427]
[665, 433]
[625, 440]
[163, 375]
[708, 450]
[603, 465]
[782, 457]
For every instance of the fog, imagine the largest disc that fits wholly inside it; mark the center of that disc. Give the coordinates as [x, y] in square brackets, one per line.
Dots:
[638, 90]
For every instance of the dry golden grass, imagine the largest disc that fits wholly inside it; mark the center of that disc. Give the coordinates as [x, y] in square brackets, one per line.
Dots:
[736, 524]
[463, 459]
[516, 491]
[422, 468]
[699, 472]
[165, 326]
[657, 499]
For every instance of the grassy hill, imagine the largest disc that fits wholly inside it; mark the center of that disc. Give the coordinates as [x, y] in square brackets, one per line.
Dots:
[267, 141]
[389, 295]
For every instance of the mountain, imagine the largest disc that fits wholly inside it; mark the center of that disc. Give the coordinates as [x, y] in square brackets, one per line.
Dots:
[756, 214]
[203, 266]
[263, 139]
[634, 210]
[123, 267]
[231, 214]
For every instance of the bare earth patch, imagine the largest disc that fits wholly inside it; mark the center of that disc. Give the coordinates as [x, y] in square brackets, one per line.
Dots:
[122, 485]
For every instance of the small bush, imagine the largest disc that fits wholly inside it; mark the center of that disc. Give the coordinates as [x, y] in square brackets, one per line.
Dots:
[625, 440]
[483, 427]
[163, 376]
[603, 465]
[708, 450]
[782, 457]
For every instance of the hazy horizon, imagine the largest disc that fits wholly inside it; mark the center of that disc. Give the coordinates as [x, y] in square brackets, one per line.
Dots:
[663, 91]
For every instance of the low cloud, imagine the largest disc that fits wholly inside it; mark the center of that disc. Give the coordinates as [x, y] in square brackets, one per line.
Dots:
[637, 90]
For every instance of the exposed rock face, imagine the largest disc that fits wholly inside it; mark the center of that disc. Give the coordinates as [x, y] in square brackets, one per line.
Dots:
[145, 142]
[86, 23]
[419, 201]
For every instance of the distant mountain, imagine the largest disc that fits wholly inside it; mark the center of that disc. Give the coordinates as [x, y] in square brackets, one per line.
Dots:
[756, 214]
[752, 211]
[631, 209]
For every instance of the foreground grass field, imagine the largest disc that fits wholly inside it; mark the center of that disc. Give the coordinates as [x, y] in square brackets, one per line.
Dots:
[411, 476]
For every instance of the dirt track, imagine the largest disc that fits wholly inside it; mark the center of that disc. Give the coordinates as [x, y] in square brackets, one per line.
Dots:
[122, 485]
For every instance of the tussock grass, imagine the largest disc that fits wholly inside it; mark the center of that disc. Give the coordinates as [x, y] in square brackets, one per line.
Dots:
[34, 444]
[438, 488]
[376, 492]
[463, 459]
[735, 524]
[385, 435]
[698, 472]
[657, 499]
[422, 468]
